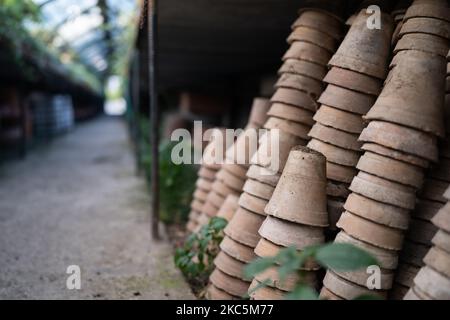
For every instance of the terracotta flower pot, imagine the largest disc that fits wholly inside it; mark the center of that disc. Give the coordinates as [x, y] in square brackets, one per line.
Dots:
[204, 184]
[271, 274]
[337, 189]
[360, 277]
[191, 226]
[347, 100]
[289, 234]
[364, 50]
[346, 289]
[258, 113]
[300, 195]
[394, 154]
[335, 137]
[442, 218]
[340, 173]
[215, 199]
[298, 82]
[326, 294]
[335, 154]
[244, 227]
[378, 212]
[402, 139]
[220, 188]
[433, 190]
[388, 259]
[442, 240]
[428, 10]
[396, 34]
[320, 20]
[413, 253]
[421, 231]
[258, 189]
[197, 205]
[229, 265]
[209, 209]
[353, 81]
[229, 207]
[339, 119]
[402, 98]
[295, 98]
[214, 293]
[207, 174]
[373, 233]
[303, 67]
[308, 52]
[433, 284]
[243, 149]
[267, 157]
[313, 36]
[291, 127]
[425, 25]
[406, 274]
[202, 220]
[215, 146]
[422, 42]
[231, 180]
[385, 191]
[235, 169]
[237, 250]
[200, 195]
[284, 111]
[263, 175]
[426, 209]
[264, 293]
[252, 203]
[391, 169]
[233, 286]
[193, 215]
[439, 260]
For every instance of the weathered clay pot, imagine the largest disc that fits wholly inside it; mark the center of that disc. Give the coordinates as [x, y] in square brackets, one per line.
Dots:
[378, 212]
[340, 173]
[335, 154]
[210, 209]
[364, 50]
[294, 128]
[300, 195]
[193, 215]
[413, 253]
[433, 190]
[422, 42]
[258, 112]
[231, 180]
[220, 188]
[264, 293]
[252, 203]
[337, 189]
[204, 184]
[244, 227]
[284, 111]
[426, 209]
[214, 293]
[387, 259]
[216, 199]
[320, 20]
[207, 174]
[442, 218]
[305, 68]
[428, 10]
[432, 283]
[346, 289]
[235, 169]
[326, 294]
[275, 159]
[402, 139]
[370, 232]
[391, 169]
[229, 265]
[421, 231]
[216, 145]
[347, 100]
[439, 260]
[271, 274]
[385, 191]
[258, 189]
[360, 277]
[425, 25]
[313, 36]
[335, 137]
[229, 207]
[202, 220]
[263, 175]
[243, 149]
[298, 82]
[289, 234]
[442, 240]
[395, 35]
[295, 98]
[191, 226]
[197, 205]
[200, 195]
[308, 52]
[406, 274]
[394, 154]
[335, 209]
[237, 250]
[412, 84]
[339, 119]
[354, 81]
[231, 285]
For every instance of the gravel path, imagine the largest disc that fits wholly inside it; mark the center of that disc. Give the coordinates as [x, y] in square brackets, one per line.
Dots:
[78, 202]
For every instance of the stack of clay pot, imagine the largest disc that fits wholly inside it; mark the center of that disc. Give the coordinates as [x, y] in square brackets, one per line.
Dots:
[398, 14]
[206, 176]
[400, 141]
[296, 217]
[316, 34]
[357, 72]
[433, 280]
[231, 177]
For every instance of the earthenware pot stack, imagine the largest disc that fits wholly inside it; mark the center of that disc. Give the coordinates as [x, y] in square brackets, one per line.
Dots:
[355, 80]
[206, 176]
[433, 280]
[231, 177]
[296, 216]
[315, 36]
[398, 14]
[400, 141]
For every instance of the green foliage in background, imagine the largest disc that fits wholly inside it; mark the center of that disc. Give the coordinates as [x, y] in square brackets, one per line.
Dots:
[177, 182]
[333, 256]
[195, 258]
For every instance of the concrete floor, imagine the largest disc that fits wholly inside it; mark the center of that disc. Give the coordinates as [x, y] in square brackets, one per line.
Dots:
[78, 202]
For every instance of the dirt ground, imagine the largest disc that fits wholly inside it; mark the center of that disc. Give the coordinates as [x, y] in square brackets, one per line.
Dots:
[78, 202]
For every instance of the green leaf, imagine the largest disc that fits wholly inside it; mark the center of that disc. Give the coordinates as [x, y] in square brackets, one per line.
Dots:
[344, 257]
[218, 223]
[258, 266]
[303, 292]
